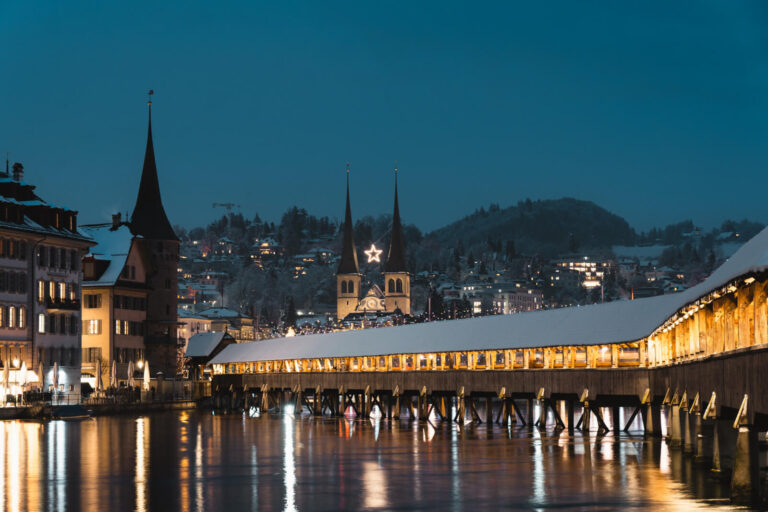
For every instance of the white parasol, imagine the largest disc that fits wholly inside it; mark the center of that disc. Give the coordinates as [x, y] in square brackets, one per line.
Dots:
[23, 374]
[99, 383]
[113, 375]
[131, 382]
[146, 376]
[55, 377]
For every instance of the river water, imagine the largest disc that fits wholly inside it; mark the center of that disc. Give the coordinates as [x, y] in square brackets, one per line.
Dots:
[197, 460]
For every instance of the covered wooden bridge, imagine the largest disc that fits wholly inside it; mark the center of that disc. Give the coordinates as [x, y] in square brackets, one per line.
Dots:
[699, 355]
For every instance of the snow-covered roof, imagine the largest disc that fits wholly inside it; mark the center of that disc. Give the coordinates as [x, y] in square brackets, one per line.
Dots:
[203, 343]
[612, 322]
[219, 313]
[111, 245]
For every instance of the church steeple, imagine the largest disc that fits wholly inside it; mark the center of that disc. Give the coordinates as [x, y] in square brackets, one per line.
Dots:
[149, 219]
[396, 254]
[348, 263]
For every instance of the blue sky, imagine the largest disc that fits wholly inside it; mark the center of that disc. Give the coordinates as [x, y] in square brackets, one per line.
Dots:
[655, 110]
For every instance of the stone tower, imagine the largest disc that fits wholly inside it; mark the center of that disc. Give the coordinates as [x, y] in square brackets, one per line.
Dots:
[162, 248]
[348, 278]
[397, 280]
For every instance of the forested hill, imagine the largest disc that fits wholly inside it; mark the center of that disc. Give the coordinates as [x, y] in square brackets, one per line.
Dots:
[545, 227]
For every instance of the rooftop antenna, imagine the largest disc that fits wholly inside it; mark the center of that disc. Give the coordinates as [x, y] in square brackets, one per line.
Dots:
[149, 97]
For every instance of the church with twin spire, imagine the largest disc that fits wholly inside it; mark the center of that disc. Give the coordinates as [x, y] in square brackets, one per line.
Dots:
[394, 296]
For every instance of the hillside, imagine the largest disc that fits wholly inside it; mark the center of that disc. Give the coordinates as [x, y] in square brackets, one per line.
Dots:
[547, 227]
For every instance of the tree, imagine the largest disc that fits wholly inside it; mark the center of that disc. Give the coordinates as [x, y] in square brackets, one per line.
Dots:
[510, 251]
[470, 260]
[290, 316]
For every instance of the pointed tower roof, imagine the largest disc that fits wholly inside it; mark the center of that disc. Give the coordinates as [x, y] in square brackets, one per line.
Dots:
[348, 263]
[149, 219]
[396, 254]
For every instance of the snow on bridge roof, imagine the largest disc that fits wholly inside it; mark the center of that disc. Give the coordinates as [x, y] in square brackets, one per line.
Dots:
[612, 322]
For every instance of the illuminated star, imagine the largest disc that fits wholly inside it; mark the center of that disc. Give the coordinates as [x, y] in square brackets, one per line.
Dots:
[373, 254]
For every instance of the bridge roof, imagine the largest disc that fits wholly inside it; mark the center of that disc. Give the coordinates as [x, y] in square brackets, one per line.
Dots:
[612, 322]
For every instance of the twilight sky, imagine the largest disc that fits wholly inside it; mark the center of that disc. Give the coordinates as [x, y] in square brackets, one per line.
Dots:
[657, 111]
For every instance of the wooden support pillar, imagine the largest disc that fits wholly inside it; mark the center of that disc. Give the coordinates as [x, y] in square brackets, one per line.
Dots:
[569, 407]
[675, 436]
[367, 406]
[341, 402]
[443, 414]
[616, 420]
[489, 410]
[652, 419]
[602, 427]
[425, 400]
[744, 477]
[318, 402]
[529, 413]
[586, 418]
[543, 413]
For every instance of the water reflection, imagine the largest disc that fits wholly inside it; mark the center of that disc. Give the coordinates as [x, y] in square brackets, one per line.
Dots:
[196, 461]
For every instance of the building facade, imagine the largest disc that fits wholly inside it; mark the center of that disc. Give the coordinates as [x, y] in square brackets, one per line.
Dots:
[159, 243]
[394, 297]
[114, 306]
[40, 278]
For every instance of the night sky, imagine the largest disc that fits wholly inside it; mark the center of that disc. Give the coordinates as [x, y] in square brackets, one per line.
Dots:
[657, 111]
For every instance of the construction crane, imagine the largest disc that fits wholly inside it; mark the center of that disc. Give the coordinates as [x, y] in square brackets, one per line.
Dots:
[228, 206]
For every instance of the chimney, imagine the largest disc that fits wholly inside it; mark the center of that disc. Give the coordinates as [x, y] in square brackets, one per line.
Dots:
[116, 220]
[18, 171]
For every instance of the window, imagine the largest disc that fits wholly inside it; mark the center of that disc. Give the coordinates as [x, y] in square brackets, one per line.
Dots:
[63, 324]
[351, 287]
[22, 318]
[51, 289]
[12, 317]
[391, 286]
[73, 259]
[117, 327]
[73, 292]
[62, 291]
[23, 250]
[41, 256]
[41, 323]
[399, 286]
[343, 287]
[2, 316]
[52, 324]
[73, 324]
[52, 254]
[92, 327]
[40, 291]
[92, 300]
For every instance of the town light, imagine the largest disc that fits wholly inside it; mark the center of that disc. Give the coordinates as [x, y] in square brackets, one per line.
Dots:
[16, 362]
[140, 364]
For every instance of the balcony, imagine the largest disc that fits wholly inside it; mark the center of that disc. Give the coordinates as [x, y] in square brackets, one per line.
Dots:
[62, 304]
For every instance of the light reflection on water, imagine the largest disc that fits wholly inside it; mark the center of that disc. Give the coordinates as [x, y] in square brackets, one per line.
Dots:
[195, 461]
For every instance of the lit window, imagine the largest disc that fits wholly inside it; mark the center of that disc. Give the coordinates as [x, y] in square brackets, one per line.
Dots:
[40, 291]
[51, 289]
[22, 318]
[41, 323]
[62, 291]
[12, 317]
[117, 327]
